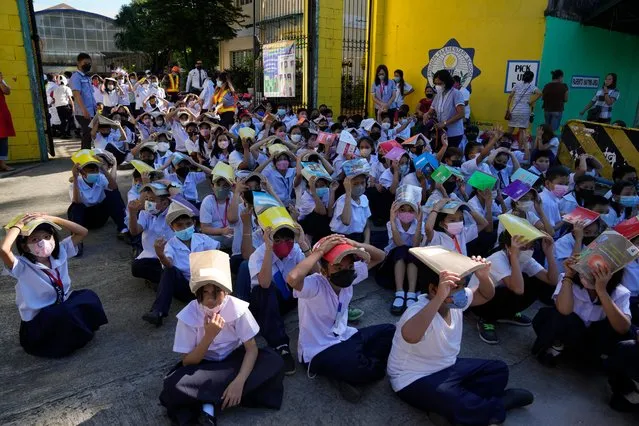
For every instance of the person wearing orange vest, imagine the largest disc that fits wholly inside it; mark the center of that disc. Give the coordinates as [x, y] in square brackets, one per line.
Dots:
[225, 100]
[172, 84]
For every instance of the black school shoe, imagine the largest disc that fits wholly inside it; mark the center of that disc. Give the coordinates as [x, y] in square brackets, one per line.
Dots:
[516, 398]
[289, 362]
[154, 318]
[518, 319]
[207, 419]
[349, 392]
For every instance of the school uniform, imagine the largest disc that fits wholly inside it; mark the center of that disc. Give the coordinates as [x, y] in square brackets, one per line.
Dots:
[97, 204]
[455, 242]
[189, 186]
[630, 280]
[430, 376]
[147, 265]
[187, 388]
[563, 248]
[338, 163]
[141, 92]
[215, 214]
[623, 373]
[503, 176]
[162, 159]
[239, 266]
[434, 198]
[282, 184]
[485, 240]
[550, 205]
[586, 328]
[269, 305]
[180, 137]
[386, 179]
[55, 320]
[360, 212]
[145, 132]
[505, 304]
[568, 203]
[326, 342]
[314, 224]
[112, 144]
[535, 170]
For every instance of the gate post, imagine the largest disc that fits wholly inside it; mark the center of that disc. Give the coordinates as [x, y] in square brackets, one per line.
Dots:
[328, 66]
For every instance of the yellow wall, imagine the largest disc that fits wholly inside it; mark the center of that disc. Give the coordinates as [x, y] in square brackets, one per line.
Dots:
[13, 64]
[329, 46]
[226, 47]
[498, 30]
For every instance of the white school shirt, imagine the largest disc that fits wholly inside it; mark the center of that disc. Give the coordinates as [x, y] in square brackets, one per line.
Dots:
[214, 213]
[239, 327]
[290, 121]
[284, 266]
[468, 234]
[178, 252]
[469, 167]
[386, 179]
[319, 309]
[550, 205]
[189, 186]
[306, 204]
[153, 227]
[406, 235]
[563, 250]
[113, 138]
[377, 168]
[587, 310]
[554, 145]
[179, 136]
[338, 162]
[359, 215]
[282, 185]
[110, 99]
[34, 290]
[466, 94]
[97, 94]
[91, 195]
[567, 203]
[238, 229]
[500, 268]
[476, 205]
[145, 132]
[531, 217]
[434, 198]
[141, 92]
[399, 99]
[436, 351]
[123, 99]
[62, 95]
[630, 278]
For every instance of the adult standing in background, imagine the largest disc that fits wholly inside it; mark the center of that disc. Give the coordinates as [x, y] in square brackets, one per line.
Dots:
[225, 100]
[601, 103]
[554, 95]
[85, 106]
[63, 102]
[384, 92]
[403, 89]
[171, 83]
[521, 103]
[466, 94]
[196, 78]
[6, 126]
[448, 105]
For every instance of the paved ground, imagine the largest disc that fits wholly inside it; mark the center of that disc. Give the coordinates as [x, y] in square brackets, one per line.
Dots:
[117, 378]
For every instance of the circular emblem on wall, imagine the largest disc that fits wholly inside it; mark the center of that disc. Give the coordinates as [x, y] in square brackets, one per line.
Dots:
[454, 58]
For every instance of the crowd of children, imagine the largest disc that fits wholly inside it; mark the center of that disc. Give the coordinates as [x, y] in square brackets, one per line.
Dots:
[292, 221]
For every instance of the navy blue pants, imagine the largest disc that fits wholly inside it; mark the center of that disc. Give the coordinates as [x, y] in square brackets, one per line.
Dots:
[634, 309]
[60, 329]
[624, 367]
[147, 269]
[96, 216]
[505, 303]
[269, 307]
[358, 360]
[468, 392]
[236, 260]
[242, 287]
[172, 284]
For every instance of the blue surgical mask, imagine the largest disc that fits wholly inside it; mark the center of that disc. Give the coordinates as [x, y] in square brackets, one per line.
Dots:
[322, 192]
[185, 234]
[403, 169]
[628, 200]
[92, 177]
[460, 300]
[137, 187]
[281, 111]
[358, 191]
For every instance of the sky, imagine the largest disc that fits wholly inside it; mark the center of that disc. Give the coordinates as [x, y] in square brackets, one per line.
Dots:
[108, 8]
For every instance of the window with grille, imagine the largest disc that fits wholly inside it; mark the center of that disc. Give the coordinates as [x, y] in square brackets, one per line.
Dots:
[242, 2]
[240, 57]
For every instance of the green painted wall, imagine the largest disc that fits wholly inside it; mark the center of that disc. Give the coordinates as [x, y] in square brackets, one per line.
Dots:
[591, 51]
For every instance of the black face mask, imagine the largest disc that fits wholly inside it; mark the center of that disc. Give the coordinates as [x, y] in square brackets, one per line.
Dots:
[375, 136]
[456, 163]
[149, 161]
[380, 157]
[584, 194]
[430, 95]
[343, 278]
[86, 67]
[499, 166]
[182, 171]
[450, 186]
[588, 240]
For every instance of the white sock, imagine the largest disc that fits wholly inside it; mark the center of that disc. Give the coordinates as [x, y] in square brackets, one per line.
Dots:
[410, 295]
[209, 409]
[399, 302]
[632, 397]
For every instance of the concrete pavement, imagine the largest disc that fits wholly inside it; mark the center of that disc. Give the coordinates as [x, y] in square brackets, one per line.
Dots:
[117, 378]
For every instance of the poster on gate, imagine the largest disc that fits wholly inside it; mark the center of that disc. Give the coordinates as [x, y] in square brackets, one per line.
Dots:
[278, 60]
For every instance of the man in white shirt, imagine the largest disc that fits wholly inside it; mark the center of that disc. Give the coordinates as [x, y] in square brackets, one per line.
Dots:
[196, 78]
[63, 102]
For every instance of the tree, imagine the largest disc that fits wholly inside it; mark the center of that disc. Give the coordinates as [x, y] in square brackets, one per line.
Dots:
[190, 28]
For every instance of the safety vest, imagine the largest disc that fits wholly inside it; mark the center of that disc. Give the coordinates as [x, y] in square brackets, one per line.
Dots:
[218, 97]
[174, 84]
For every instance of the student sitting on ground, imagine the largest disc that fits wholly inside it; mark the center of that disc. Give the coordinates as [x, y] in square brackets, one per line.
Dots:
[351, 212]
[351, 357]
[424, 367]
[215, 207]
[104, 137]
[221, 366]
[555, 187]
[55, 320]
[174, 257]
[187, 176]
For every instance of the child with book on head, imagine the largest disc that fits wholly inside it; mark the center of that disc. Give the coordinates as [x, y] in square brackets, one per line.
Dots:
[519, 279]
[221, 365]
[424, 368]
[630, 230]
[529, 207]
[591, 314]
[316, 207]
[555, 187]
[401, 172]
[583, 190]
[215, 207]
[349, 356]
[351, 211]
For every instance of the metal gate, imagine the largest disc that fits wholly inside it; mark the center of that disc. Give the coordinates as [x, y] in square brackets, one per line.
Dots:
[355, 56]
[279, 20]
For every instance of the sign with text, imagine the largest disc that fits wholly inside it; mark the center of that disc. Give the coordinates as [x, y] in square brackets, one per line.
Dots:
[279, 69]
[515, 72]
[584, 82]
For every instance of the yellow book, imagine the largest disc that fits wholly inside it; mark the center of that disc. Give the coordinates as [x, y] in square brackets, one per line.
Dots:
[141, 166]
[224, 171]
[84, 157]
[247, 133]
[276, 218]
[518, 226]
[30, 226]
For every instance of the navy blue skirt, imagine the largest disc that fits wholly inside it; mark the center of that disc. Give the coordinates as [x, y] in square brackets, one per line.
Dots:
[59, 330]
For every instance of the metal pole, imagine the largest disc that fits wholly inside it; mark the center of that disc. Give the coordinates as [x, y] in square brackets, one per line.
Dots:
[254, 54]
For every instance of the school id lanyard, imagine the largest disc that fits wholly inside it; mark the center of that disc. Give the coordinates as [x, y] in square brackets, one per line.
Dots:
[56, 283]
[226, 206]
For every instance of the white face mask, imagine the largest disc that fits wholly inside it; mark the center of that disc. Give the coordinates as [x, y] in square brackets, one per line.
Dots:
[219, 83]
[439, 88]
[525, 205]
[525, 256]
[163, 146]
[296, 138]
[386, 126]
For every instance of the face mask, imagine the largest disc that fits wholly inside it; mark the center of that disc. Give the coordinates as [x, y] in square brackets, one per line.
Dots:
[358, 191]
[151, 207]
[136, 187]
[182, 171]
[499, 166]
[455, 228]
[460, 300]
[525, 256]
[86, 68]
[628, 200]
[450, 187]
[404, 169]
[185, 234]
[282, 249]
[245, 124]
[429, 95]
[147, 123]
[222, 193]
[149, 161]
[542, 167]
[525, 205]
[92, 177]
[365, 152]
[397, 79]
[133, 80]
[296, 138]
[584, 193]
[375, 136]
[385, 126]
[281, 112]
[322, 192]
[343, 278]
[406, 217]
[110, 87]
[587, 240]
[218, 83]
[42, 248]
[282, 165]
[439, 88]
[205, 132]
[560, 190]
[456, 163]
[280, 134]
[154, 84]
[163, 146]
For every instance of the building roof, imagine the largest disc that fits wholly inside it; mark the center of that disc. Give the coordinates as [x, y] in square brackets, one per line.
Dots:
[60, 6]
[65, 8]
